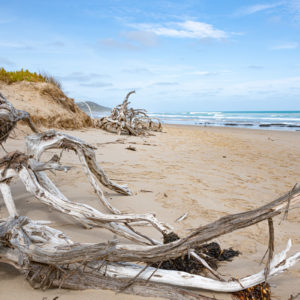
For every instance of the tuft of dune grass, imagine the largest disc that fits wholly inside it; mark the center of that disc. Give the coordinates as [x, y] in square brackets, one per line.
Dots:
[50, 79]
[24, 75]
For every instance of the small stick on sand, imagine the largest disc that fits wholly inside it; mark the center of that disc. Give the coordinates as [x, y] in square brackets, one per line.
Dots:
[181, 218]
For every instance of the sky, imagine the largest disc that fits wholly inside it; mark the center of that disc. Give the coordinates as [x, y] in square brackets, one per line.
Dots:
[192, 55]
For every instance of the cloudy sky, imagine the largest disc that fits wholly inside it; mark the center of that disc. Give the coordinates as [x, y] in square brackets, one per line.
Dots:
[192, 55]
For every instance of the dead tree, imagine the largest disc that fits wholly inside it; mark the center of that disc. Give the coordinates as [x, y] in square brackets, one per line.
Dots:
[9, 116]
[125, 120]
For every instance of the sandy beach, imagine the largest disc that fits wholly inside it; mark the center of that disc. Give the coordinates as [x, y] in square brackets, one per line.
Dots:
[203, 171]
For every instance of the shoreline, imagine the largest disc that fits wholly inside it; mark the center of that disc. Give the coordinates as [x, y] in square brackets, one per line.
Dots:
[295, 128]
[267, 127]
[280, 120]
[229, 128]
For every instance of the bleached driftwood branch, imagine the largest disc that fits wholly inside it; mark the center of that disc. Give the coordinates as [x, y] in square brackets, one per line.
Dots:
[9, 116]
[128, 120]
[37, 144]
[17, 164]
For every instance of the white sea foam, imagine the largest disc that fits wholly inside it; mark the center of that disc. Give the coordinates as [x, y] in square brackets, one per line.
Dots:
[255, 119]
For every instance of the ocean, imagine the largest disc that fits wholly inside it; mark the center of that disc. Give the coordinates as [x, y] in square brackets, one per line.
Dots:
[274, 120]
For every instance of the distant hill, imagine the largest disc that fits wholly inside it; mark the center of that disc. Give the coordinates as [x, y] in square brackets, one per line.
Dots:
[94, 107]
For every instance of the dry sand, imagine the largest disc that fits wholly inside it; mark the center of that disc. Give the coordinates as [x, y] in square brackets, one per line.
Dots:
[206, 172]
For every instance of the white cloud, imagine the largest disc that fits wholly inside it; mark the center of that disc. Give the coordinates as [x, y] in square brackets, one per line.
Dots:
[164, 83]
[137, 70]
[249, 10]
[98, 84]
[187, 29]
[80, 77]
[142, 38]
[131, 40]
[285, 46]
[58, 44]
[202, 73]
[116, 44]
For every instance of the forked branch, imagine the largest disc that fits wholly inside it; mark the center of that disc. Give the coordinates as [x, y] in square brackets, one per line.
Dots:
[37, 144]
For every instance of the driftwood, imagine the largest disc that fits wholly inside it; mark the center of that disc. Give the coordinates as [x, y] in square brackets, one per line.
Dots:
[9, 116]
[50, 259]
[25, 244]
[37, 144]
[17, 164]
[125, 120]
[20, 164]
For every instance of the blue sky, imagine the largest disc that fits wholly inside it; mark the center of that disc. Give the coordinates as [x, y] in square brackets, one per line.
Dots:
[192, 55]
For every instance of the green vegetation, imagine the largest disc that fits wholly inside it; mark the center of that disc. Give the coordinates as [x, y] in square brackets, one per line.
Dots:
[25, 75]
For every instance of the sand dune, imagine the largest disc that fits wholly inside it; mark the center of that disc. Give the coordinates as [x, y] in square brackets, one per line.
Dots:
[47, 104]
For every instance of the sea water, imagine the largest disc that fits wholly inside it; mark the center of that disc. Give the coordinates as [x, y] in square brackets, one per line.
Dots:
[275, 120]
[278, 120]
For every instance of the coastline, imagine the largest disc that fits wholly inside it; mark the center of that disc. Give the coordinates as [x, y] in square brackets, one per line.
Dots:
[207, 172]
[266, 127]
[291, 122]
[279, 120]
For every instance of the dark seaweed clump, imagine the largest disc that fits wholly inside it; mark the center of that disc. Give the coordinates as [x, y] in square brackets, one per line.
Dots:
[213, 252]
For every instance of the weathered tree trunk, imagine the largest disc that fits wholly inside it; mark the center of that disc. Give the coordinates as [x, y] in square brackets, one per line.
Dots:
[50, 258]
[128, 120]
[9, 116]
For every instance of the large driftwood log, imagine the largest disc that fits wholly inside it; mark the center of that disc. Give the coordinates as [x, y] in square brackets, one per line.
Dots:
[129, 121]
[20, 237]
[47, 256]
[9, 116]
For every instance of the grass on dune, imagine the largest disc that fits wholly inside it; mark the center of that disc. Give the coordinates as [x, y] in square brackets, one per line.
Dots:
[25, 75]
